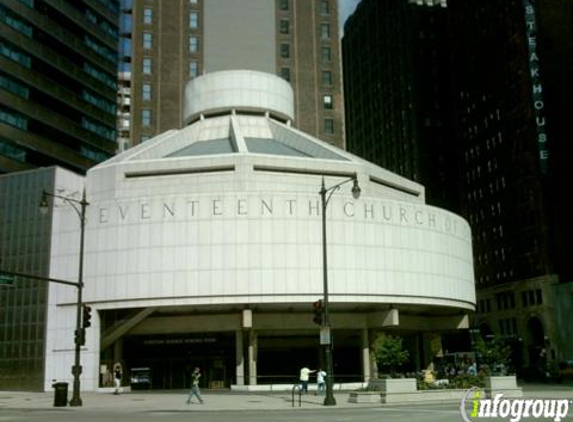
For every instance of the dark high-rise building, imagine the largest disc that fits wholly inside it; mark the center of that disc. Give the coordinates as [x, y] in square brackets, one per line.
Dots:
[58, 71]
[397, 92]
[499, 80]
[513, 151]
[176, 41]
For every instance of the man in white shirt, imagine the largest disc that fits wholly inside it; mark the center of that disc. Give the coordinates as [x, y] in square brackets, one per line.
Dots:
[304, 375]
[320, 381]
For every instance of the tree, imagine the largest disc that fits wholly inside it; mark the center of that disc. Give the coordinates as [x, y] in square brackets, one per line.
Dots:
[495, 354]
[389, 353]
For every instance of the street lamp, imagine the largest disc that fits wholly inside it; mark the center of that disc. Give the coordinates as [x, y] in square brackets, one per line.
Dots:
[80, 208]
[325, 195]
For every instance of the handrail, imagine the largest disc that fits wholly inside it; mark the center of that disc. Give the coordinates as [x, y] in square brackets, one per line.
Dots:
[296, 388]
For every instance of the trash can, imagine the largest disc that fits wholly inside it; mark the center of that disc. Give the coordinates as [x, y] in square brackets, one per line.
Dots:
[60, 394]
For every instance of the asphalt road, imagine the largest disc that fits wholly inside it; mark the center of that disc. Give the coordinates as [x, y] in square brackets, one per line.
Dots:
[441, 412]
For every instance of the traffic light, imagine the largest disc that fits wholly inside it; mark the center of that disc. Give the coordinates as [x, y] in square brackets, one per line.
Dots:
[80, 337]
[317, 309]
[87, 316]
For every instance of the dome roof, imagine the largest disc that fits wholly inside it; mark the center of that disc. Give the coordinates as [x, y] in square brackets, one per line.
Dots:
[219, 135]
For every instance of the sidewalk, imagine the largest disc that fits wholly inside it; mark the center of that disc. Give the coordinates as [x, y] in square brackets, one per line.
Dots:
[222, 400]
[159, 400]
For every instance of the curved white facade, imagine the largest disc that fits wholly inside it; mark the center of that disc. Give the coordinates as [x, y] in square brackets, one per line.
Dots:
[238, 89]
[250, 237]
[215, 230]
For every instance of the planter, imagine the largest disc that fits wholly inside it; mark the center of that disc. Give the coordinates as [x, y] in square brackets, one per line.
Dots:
[506, 385]
[394, 390]
[364, 397]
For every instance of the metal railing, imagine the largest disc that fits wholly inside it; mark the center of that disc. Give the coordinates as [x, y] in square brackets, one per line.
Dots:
[297, 388]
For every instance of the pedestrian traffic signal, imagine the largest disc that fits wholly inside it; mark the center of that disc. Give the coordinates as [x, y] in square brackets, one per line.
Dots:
[87, 316]
[318, 312]
[80, 337]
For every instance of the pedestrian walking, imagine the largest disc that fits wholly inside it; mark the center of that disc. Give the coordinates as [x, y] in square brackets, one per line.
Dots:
[303, 378]
[195, 391]
[320, 381]
[117, 374]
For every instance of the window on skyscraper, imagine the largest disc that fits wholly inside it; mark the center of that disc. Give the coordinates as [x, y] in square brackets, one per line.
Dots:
[146, 92]
[147, 15]
[324, 7]
[283, 4]
[326, 77]
[193, 20]
[193, 44]
[284, 26]
[147, 65]
[327, 100]
[285, 51]
[146, 117]
[147, 40]
[326, 54]
[325, 31]
[285, 73]
[193, 69]
[328, 126]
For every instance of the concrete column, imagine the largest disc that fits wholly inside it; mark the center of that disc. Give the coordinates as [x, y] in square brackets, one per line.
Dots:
[372, 334]
[118, 351]
[252, 357]
[366, 371]
[240, 368]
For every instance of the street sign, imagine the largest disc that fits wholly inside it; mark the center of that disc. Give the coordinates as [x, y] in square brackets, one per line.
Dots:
[6, 280]
[325, 336]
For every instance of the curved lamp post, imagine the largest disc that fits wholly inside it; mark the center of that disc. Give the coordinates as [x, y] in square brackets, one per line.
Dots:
[80, 208]
[325, 195]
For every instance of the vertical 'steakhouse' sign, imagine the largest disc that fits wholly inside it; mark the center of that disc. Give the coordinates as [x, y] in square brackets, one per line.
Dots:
[537, 87]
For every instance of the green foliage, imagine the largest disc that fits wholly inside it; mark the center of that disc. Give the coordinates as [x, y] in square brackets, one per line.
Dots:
[494, 355]
[389, 353]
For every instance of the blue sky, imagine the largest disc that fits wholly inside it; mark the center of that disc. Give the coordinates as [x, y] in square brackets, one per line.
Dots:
[346, 8]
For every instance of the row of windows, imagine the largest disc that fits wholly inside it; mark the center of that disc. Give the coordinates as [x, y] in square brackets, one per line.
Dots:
[13, 118]
[323, 6]
[148, 18]
[505, 300]
[9, 149]
[98, 129]
[146, 122]
[29, 3]
[531, 298]
[14, 87]
[326, 76]
[14, 22]
[102, 23]
[111, 5]
[15, 54]
[99, 102]
[326, 53]
[503, 275]
[102, 50]
[100, 75]
[508, 327]
[92, 154]
[483, 306]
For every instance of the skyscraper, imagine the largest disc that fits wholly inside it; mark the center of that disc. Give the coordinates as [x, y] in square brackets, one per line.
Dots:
[397, 92]
[513, 151]
[176, 41]
[58, 62]
[474, 92]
